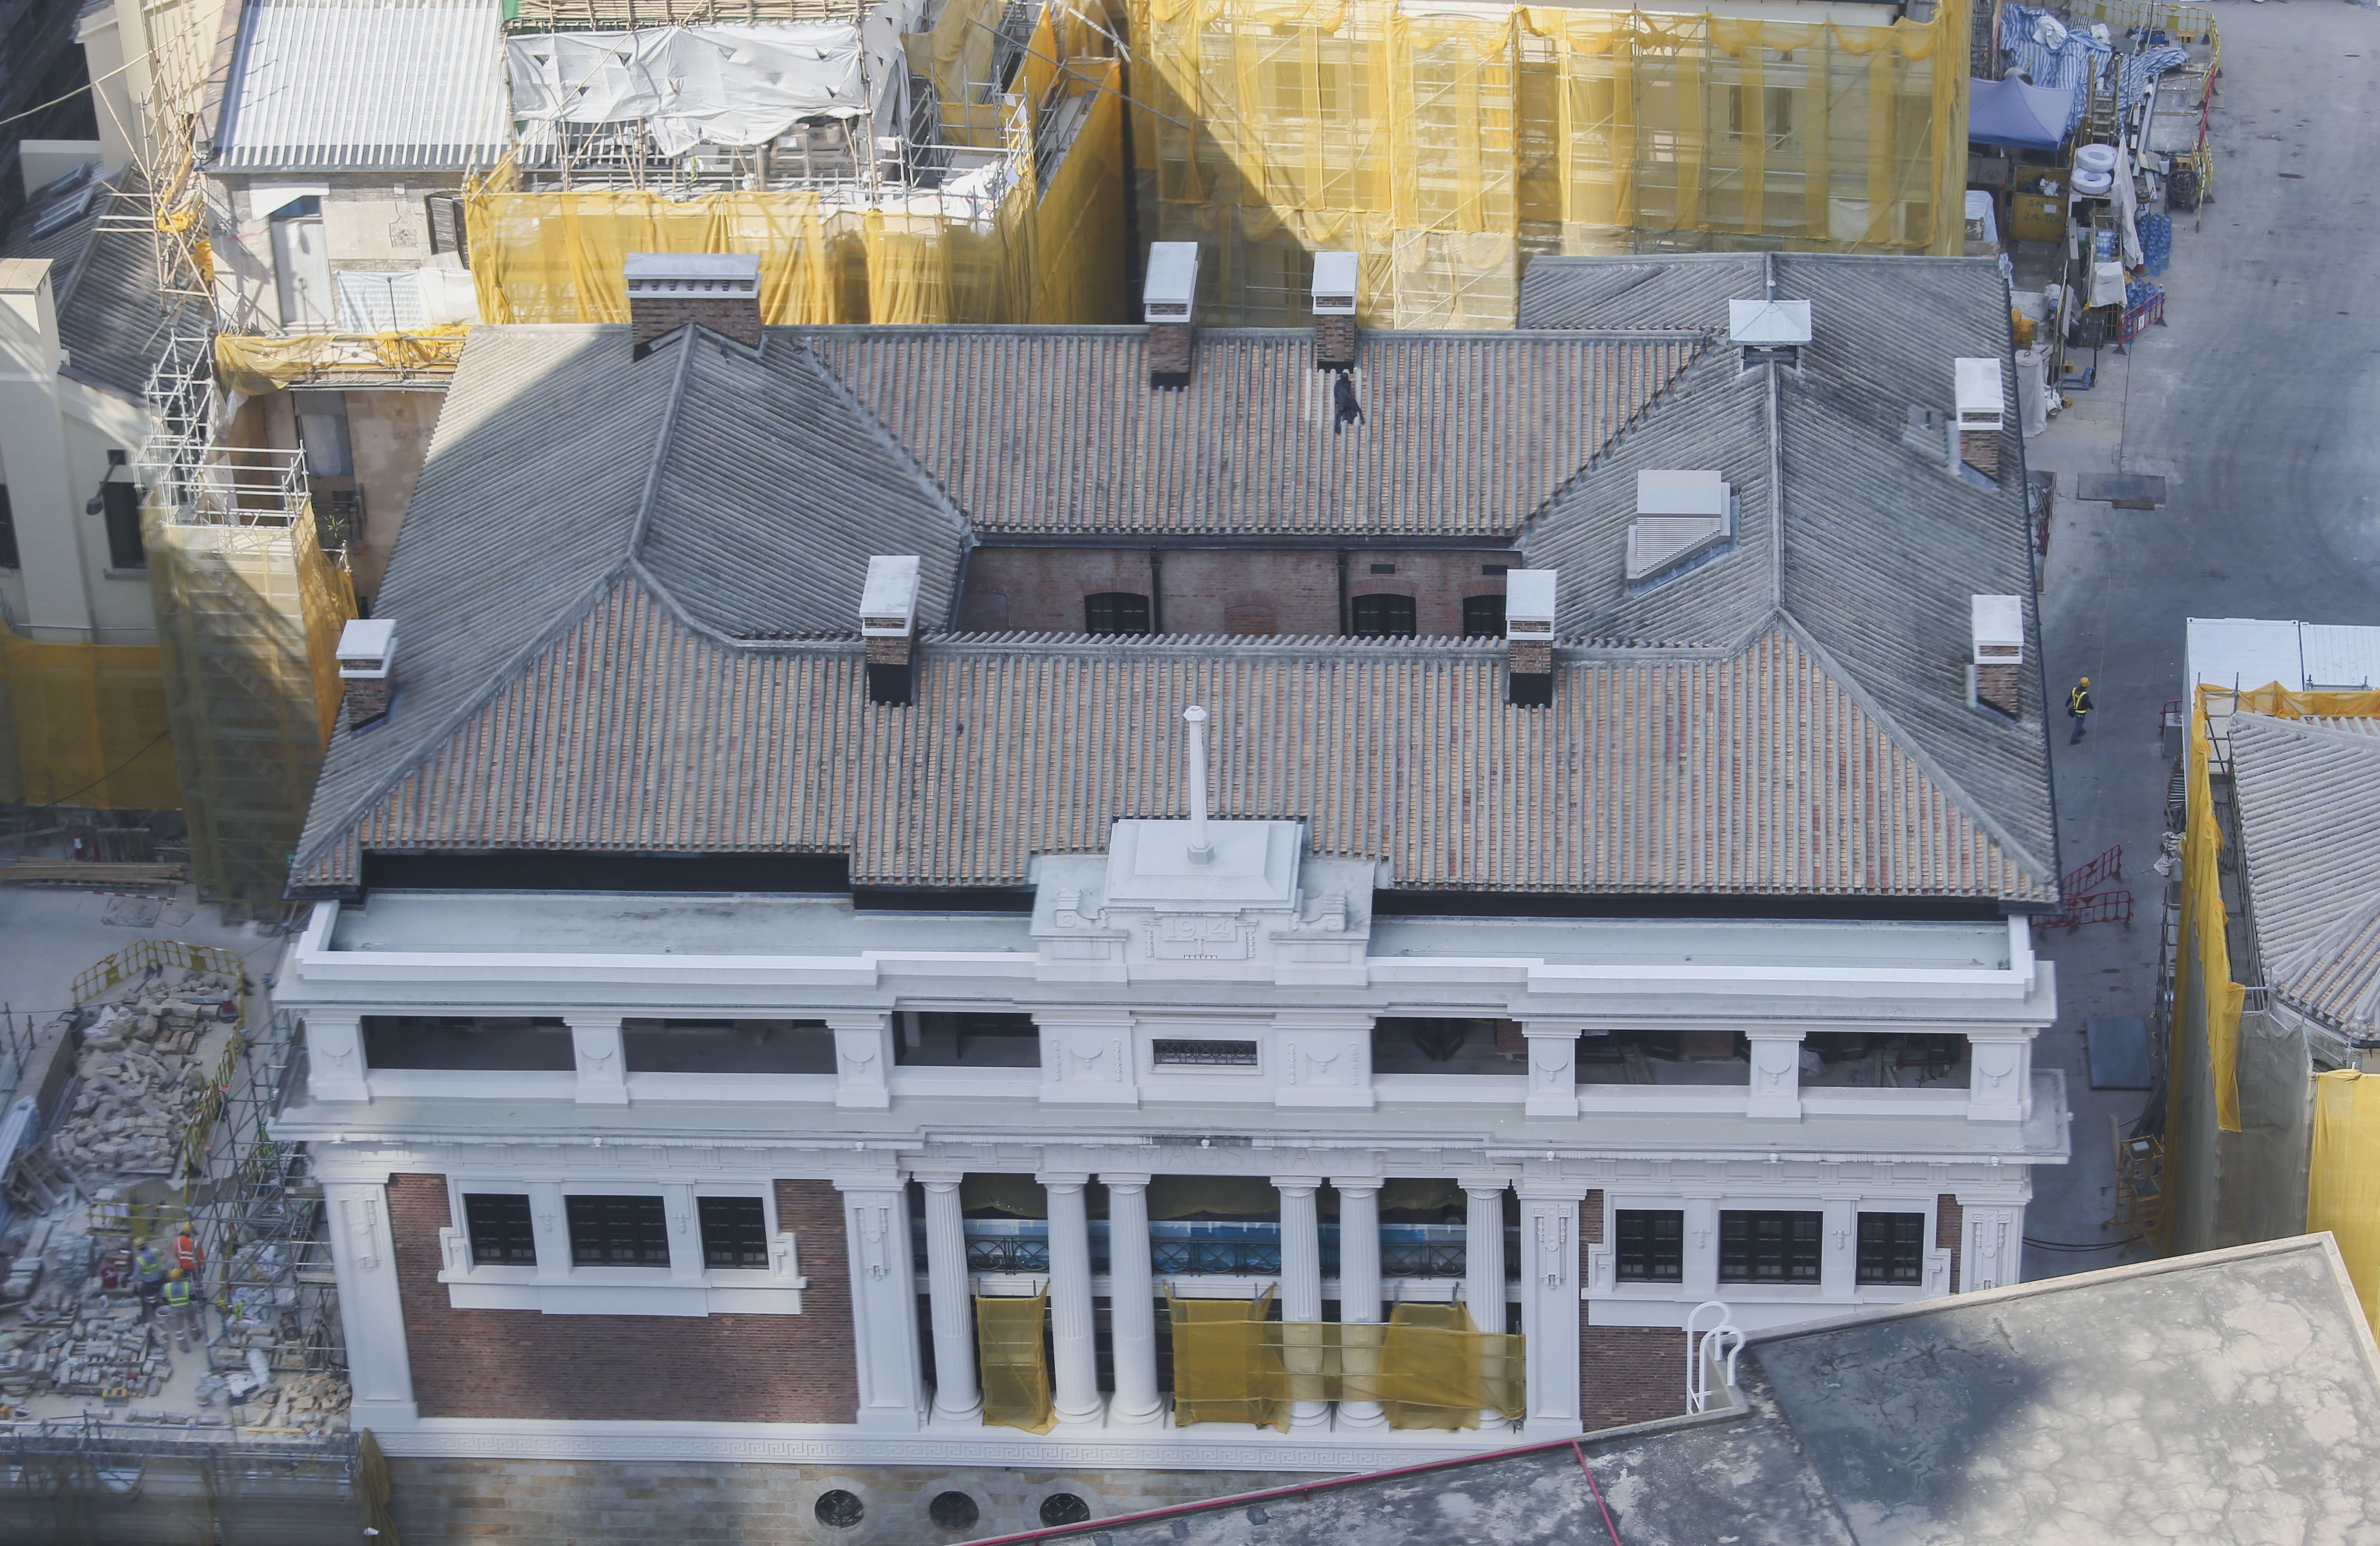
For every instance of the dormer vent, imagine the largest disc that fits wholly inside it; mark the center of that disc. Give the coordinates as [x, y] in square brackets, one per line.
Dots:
[1996, 666]
[1680, 517]
[888, 623]
[1769, 331]
[1169, 304]
[1337, 276]
[1982, 412]
[717, 290]
[367, 655]
[1529, 636]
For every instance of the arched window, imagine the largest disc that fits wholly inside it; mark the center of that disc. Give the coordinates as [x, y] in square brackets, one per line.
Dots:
[1483, 617]
[1115, 612]
[1382, 616]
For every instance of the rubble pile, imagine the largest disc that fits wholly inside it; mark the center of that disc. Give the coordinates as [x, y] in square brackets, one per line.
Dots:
[81, 1348]
[141, 1078]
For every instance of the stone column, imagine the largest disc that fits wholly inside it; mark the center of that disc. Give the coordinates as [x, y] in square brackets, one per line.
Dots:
[1132, 1304]
[1776, 1073]
[1698, 1270]
[1999, 1076]
[602, 1064]
[1074, 1354]
[1359, 1290]
[1551, 1307]
[1483, 1264]
[863, 1059]
[1838, 1249]
[363, 1257]
[948, 1288]
[884, 1304]
[1553, 1067]
[334, 1057]
[1301, 1292]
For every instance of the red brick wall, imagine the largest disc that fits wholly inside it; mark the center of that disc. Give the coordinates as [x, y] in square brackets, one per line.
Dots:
[1249, 590]
[1949, 1218]
[1625, 1373]
[518, 1363]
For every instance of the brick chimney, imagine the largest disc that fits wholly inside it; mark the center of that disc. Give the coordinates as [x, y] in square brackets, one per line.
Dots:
[1169, 304]
[1529, 636]
[1336, 276]
[366, 651]
[717, 290]
[888, 622]
[1995, 668]
[1982, 409]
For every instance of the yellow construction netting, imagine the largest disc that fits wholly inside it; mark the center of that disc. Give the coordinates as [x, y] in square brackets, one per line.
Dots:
[2343, 1182]
[1428, 1368]
[85, 724]
[1030, 255]
[957, 57]
[1014, 1361]
[248, 621]
[2204, 993]
[255, 366]
[1444, 147]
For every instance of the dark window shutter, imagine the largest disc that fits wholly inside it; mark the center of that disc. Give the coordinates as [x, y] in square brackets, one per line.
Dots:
[120, 501]
[8, 532]
[447, 231]
[1383, 616]
[1115, 612]
[1483, 617]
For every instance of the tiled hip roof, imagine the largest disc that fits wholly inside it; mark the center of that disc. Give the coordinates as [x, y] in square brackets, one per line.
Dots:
[1753, 772]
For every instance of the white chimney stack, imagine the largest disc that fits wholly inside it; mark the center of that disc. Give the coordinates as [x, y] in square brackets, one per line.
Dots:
[888, 623]
[1337, 278]
[367, 656]
[1769, 331]
[1529, 636]
[1169, 304]
[1998, 626]
[1202, 848]
[1982, 410]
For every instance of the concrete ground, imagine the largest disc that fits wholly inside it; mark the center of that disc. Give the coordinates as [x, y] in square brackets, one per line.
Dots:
[2257, 404]
[49, 935]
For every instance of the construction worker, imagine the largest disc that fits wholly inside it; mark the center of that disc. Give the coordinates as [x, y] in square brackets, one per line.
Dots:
[2078, 708]
[189, 1255]
[176, 1314]
[149, 1270]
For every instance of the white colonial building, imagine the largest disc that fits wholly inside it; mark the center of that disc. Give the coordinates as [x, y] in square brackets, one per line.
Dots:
[727, 978]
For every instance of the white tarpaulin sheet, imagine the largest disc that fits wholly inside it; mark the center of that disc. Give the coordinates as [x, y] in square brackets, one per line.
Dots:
[727, 85]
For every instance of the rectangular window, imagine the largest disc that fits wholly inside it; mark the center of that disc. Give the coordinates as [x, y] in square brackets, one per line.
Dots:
[1115, 612]
[500, 1229]
[119, 500]
[618, 1231]
[735, 1231]
[8, 532]
[1382, 616]
[1769, 1246]
[1483, 617]
[1892, 1248]
[1168, 1053]
[1649, 1245]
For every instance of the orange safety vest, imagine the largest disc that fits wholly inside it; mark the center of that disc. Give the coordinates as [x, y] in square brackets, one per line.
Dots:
[187, 1254]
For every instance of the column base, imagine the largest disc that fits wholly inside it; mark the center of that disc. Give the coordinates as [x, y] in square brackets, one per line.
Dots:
[1550, 1105]
[864, 1099]
[1308, 1417]
[1093, 1418]
[1355, 1416]
[1552, 1428]
[1119, 1418]
[957, 1416]
[886, 1420]
[364, 1414]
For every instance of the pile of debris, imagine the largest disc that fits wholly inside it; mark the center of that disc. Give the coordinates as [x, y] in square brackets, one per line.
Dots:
[82, 1346]
[309, 1404]
[141, 1078]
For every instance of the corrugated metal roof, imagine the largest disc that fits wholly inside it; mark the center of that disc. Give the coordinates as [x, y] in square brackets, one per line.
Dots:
[2309, 800]
[1747, 772]
[338, 85]
[1044, 432]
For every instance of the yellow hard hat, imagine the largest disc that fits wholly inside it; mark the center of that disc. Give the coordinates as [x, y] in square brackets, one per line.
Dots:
[175, 1273]
[2087, 681]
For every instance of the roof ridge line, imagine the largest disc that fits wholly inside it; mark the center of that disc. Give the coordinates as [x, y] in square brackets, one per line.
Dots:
[1698, 342]
[503, 677]
[1910, 746]
[2309, 727]
[668, 431]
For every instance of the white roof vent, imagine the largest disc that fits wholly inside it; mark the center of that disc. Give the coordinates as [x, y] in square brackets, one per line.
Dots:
[1981, 402]
[1998, 629]
[1529, 603]
[1664, 493]
[367, 645]
[888, 602]
[1171, 291]
[1337, 276]
[1768, 323]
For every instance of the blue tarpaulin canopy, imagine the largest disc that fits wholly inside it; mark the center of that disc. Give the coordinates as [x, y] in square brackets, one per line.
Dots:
[2012, 113]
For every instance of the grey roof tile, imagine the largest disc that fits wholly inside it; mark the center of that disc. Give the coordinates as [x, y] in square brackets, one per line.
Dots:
[103, 280]
[339, 85]
[2308, 801]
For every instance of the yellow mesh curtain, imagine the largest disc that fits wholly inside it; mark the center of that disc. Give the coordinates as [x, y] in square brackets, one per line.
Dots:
[1044, 254]
[1015, 1362]
[1439, 1370]
[1225, 1368]
[957, 57]
[2343, 1181]
[1271, 129]
[258, 365]
[85, 724]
